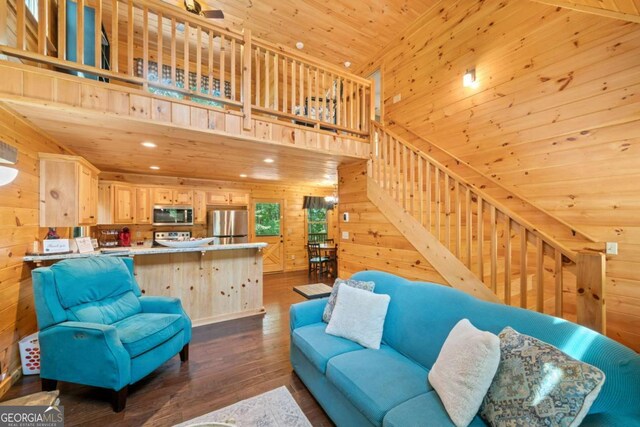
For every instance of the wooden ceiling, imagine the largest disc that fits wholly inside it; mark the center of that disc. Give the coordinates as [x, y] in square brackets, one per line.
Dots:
[114, 145]
[628, 10]
[335, 31]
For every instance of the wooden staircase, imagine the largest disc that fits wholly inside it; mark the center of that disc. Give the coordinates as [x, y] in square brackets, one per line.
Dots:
[479, 245]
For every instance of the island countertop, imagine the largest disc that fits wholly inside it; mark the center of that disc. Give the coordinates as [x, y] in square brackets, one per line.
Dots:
[133, 251]
[214, 282]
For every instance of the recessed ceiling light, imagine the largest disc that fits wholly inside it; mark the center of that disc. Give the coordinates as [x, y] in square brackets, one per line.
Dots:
[328, 176]
[243, 175]
[149, 144]
[268, 160]
[347, 64]
[155, 168]
[299, 45]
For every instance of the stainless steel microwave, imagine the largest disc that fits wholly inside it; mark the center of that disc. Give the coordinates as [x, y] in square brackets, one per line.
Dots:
[172, 215]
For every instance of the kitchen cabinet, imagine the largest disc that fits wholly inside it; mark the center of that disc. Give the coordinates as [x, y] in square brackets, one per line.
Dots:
[162, 196]
[238, 198]
[68, 191]
[226, 197]
[172, 196]
[217, 198]
[143, 206]
[199, 207]
[183, 197]
[87, 195]
[124, 199]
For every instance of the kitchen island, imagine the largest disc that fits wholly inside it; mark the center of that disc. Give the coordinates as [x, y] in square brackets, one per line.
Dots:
[214, 282]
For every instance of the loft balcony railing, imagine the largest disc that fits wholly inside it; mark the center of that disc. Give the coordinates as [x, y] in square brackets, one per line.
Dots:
[168, 51]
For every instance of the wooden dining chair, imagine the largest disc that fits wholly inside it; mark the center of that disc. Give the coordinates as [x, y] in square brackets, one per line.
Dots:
[317, 263]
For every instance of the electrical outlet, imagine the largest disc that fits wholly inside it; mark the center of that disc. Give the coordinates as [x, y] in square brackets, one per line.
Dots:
[345, 235]
[612, 248]
[397, 98]
[293, 257]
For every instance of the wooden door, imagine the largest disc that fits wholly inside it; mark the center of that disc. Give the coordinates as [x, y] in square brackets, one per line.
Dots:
[123, 204]
[183, 197]
[267, 226]
[162, 196]
[199, 207]
[143, 205]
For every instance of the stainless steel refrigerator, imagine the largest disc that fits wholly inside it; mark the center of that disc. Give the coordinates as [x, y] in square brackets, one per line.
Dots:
[228, 226]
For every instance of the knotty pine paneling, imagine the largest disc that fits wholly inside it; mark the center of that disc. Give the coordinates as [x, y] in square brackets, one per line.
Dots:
[295, 225]
[18, 229]
[374, 243]
[554, 117]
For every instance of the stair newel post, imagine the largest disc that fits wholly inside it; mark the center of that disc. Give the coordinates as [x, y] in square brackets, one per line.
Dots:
[590, 290]
[246, 80]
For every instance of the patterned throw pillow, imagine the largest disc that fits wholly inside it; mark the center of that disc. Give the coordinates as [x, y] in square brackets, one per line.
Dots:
[367, 286]
[539, 385]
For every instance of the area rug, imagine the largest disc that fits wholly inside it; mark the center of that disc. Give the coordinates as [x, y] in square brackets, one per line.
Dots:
[275, 408]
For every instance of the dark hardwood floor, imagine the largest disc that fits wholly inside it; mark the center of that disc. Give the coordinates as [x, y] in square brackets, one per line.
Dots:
[229, 362]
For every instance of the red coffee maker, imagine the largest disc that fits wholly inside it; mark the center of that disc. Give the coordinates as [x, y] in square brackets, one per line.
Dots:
[124, 237]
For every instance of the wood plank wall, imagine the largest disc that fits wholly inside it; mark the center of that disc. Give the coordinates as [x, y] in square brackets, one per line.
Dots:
[294, 216]
[19, 213]
[554, 117]
[374, 243]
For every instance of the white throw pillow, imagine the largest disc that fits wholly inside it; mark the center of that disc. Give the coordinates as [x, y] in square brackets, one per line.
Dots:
[359, 316]
[464, 370]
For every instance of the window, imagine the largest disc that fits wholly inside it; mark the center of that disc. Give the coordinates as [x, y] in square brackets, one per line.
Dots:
[317, 228]
[32, 6]
[267, 219]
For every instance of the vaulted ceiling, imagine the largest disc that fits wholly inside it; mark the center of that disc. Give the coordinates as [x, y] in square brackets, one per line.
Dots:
[628, 10]
[336, 31]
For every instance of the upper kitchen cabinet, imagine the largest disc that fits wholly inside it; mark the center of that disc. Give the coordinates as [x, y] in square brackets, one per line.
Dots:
[217, 198]
[117, 203]
[68, 191]
[143, 206]
[172, 196]
[183, 197]
[124, 202]
[162, 196]
[199, 207]
[238, 198]
[226, 197]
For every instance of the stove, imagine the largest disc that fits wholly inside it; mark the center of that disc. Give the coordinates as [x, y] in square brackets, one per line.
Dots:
[170, 235]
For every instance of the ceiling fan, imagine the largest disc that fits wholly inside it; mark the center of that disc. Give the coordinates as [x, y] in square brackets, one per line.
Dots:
[196, 8]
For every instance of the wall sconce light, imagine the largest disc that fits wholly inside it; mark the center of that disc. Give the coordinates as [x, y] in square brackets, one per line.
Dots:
[8, 156]
[469, 78]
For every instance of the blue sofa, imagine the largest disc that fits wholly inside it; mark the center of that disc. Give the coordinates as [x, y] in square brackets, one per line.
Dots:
[388, 387]
[96, 329]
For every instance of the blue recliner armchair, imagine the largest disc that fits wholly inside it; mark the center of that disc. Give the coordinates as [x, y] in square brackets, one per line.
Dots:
[96, 329]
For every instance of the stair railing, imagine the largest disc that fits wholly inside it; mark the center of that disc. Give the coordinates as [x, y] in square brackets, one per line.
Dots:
[164, 49]
[521, 264]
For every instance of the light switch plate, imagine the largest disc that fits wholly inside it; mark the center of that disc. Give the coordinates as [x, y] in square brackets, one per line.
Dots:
[345, 216]
[612, 248]
[345, 235]
[397, 98]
